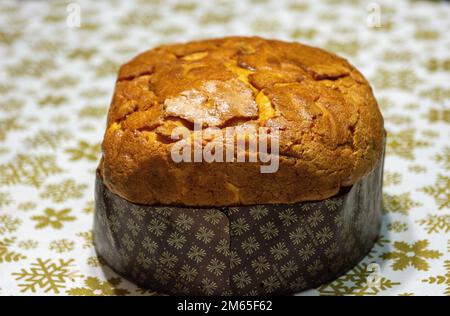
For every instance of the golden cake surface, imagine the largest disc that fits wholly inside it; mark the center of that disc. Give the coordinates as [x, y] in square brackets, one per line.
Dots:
[331, 129]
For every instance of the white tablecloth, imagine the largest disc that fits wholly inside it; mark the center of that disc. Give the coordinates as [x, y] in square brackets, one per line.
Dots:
[56, 84]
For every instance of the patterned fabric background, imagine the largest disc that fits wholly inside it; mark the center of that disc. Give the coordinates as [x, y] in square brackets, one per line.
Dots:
[56, 84]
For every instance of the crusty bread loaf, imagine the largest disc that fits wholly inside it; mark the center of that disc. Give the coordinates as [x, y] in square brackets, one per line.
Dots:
[331, 129]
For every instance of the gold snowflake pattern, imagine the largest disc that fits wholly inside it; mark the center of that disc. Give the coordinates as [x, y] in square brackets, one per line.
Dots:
[403, 143]
[87, 238]
[269, 230]
[401, 203]
[279, 251]
[84, 150]
[216, 267]
[208, 286]
[394, 55]
[96, 287]
[397, 226]
[176, 240]
[355, 283]
[52, 100]
[260, 264]
[250, 245]
[59, 119]
[212, 216]
[271, 283]
[53, 218]
[94, 93]
[441, 279]
[436, 223]
[288, 217]
[10, 105]
[303, 33]
[92, 112]
[239, 226]
[89, 207]
[440, 191]
[47, 139]
[204, 234]
[429, 133]
[26, 206]
[8, 125]
[63, 191]
[9, 224]
[401, 79]
[188, 273]
[184, 222]
[392, 178]
[398, 119]
[416, 168]
[62, 245]
[107, 67]
[444, 158]
[196, 254]
[48, 275]
[215, 17]
[438, 94]
[8, 255]
[28, 244]
[258, 211]
[9, 37]
[156, 227]
[437, 114]
[348, 48]
[83, 53]
[62, 81]
[5, 199]
[168, 259]
[4, 151]
[427, 115]
[95, 261]
[426, 34]
[242, 279]
[415, 255]
[380, 243]
[434, 64]
[28, 170]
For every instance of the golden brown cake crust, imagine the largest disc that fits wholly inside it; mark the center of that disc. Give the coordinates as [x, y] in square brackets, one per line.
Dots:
[331, 127]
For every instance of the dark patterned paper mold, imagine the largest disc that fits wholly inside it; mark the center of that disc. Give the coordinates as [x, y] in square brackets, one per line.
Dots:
[240, 250]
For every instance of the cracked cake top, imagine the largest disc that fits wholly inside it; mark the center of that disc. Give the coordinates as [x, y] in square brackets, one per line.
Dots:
[331, 129]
